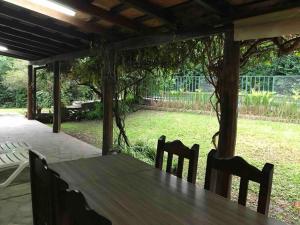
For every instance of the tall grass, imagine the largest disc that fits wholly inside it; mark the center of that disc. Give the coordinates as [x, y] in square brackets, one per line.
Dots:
[260, 103]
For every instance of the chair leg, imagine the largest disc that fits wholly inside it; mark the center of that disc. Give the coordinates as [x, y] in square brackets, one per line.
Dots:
[13, 176]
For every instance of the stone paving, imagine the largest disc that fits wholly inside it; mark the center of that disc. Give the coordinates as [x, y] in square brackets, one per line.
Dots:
[15, 200]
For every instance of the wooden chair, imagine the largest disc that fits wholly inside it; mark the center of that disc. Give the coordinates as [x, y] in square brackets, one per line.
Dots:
[42, 201]
[177, 148]
[239, 167]
[71, 207]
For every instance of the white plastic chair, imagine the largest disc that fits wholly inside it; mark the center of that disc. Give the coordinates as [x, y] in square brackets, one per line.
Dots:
[16, 156]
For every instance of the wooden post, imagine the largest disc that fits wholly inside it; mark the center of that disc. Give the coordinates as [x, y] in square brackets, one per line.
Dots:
[34, 93]
[56, 97]
[108, 96]
[29, 93]
[229, 87]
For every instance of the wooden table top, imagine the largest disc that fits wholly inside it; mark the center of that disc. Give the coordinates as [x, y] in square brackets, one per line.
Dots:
[130, 192]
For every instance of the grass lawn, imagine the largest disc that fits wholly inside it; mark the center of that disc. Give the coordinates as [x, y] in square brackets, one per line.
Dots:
[258, 142]
[13, 110]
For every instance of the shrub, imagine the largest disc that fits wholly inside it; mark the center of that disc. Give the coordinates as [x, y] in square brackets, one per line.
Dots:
[96, 113]
[141, 151]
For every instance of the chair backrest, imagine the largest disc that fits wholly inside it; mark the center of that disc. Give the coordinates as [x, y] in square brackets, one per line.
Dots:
[71, 207]
[42, 204]
[239, 167]
[177, 148]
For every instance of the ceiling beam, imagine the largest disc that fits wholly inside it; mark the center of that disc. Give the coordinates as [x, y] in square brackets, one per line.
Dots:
[13, 41]
[80, 24]
[156, 40]
[221, 8]
[152, 10]
[264, 7]
[32, 39]
[24, 50]
[16, 25]
[24, 15]
[83, 6]
[62, 57]
[18, 55]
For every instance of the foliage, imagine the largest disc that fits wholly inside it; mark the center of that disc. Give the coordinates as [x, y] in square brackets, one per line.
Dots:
[95, 114]
[13, 82]
[141, 151]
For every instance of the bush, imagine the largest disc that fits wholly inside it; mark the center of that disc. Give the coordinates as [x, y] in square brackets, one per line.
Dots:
[141, 151]
[96, 113]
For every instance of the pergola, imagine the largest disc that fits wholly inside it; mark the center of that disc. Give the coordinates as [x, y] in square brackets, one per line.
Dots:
[45, 36]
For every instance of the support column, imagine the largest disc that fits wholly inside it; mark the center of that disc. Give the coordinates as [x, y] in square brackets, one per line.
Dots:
[34, 93]
[30, 93]
[56, 97]
[229, 84]
[108, 96]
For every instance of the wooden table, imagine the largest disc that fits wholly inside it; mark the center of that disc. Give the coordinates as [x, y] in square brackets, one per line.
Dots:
[130, 192]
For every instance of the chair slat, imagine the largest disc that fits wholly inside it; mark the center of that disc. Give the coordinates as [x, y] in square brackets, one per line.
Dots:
[180, 167]
[169, 162]
[243, 191]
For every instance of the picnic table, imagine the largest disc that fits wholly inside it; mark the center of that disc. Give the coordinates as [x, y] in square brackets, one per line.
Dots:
[130, 192]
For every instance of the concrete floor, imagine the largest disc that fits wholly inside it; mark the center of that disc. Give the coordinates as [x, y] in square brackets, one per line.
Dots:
[15, 201]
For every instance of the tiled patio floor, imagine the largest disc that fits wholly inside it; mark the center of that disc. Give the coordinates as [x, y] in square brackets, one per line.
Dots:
[15, 201]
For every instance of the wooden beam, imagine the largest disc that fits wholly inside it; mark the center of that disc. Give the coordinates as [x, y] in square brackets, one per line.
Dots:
[18, 55]
[32, 39]
[30, 93]
[222, 9]
[285, 22]
[24, 50]
[62, 57]
[37, 31]
[56, 97]
[264, 7]
[156, 40]
[108, 96]
[83, 6]
[152, 10]
[82, 25]
[24, 45]
[229, 85]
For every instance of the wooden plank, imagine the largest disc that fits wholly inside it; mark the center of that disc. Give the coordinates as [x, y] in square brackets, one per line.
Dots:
[29, 93]
[152, 196]
[229, 85]
[56, 97]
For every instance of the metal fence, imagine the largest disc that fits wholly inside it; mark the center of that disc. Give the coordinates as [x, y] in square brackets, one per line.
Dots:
[280, 85]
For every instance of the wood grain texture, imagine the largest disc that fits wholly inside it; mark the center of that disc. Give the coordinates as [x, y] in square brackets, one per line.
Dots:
[129, 192]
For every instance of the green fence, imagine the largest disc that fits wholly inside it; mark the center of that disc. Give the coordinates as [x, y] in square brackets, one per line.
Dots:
[276, 96]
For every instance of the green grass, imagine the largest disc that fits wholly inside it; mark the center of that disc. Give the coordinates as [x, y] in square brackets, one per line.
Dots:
[13, 110]
[258, 142]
